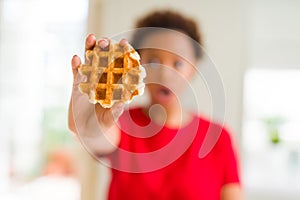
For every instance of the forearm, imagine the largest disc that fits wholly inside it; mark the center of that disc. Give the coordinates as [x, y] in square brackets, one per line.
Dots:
[98, 138]
[99, 141]
[231, 191]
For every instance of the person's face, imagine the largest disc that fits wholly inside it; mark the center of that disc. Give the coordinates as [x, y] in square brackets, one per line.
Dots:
[170, 61]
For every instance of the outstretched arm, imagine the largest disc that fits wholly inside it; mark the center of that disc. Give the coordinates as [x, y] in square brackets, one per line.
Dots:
[92, 124]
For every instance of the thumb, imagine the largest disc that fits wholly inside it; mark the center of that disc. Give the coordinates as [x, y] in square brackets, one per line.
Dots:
[107, 116]
[111, 115]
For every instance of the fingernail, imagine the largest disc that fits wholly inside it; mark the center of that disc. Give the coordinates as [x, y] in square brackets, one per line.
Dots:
[103, 43]
[123, 42]
[91, 37]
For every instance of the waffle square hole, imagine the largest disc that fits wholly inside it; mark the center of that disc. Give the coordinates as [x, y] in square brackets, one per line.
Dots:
[118, 62]
[117, 78]
[103, 78]
[117, 94]
[133, 79]
[103, 62]
[101, 94]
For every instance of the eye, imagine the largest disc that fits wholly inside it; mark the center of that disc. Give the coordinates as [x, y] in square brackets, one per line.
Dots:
[178, 64]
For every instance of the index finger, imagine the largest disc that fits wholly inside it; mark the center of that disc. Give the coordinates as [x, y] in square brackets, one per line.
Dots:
[90, 42]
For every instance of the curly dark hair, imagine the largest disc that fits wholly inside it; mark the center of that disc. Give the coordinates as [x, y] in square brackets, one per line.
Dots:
[170, 20]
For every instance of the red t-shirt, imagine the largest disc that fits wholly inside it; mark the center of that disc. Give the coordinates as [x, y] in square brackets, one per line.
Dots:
[154, 162]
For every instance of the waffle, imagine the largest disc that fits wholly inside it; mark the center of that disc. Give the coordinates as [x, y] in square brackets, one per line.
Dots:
[113, 74]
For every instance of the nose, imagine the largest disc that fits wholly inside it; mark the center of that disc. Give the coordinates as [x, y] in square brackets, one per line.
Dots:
[167, 73]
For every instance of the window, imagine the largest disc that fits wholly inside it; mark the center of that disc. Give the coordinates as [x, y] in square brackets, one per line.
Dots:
[271, 106]
[271, 122]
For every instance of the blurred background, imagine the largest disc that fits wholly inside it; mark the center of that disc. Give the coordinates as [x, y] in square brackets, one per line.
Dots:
[255, 45]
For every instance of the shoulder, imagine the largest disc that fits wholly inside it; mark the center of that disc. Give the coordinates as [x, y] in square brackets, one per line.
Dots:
[220, 145]
[214, 127]
[215, 136]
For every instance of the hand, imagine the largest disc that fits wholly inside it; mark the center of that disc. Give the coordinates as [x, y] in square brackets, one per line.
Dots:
[85, 117]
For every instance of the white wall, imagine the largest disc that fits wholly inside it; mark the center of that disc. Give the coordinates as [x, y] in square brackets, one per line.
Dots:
[274, 33]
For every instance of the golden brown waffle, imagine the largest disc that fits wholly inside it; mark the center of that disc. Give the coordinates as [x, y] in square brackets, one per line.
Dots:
[112, 74]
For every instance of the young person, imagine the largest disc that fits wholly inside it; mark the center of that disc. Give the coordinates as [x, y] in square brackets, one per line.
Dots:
[154, 150]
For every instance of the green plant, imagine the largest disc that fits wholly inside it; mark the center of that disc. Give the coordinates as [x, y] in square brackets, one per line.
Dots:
[273, 125]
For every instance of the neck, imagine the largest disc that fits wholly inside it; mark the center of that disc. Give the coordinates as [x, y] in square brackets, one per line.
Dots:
[171, 115]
